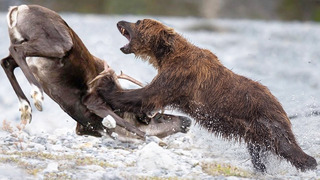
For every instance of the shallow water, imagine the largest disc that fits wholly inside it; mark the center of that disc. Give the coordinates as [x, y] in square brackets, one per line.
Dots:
[284, 56]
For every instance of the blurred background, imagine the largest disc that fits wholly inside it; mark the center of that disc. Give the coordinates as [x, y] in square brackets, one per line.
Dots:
[303, 10]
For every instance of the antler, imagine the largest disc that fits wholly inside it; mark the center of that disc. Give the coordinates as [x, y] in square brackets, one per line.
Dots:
[129, 78]
[109, 71]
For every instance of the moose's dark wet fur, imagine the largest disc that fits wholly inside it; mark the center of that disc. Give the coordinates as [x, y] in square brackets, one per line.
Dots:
[194, 80]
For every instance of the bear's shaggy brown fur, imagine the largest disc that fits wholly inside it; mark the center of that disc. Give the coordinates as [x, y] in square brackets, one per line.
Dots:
[193, 80]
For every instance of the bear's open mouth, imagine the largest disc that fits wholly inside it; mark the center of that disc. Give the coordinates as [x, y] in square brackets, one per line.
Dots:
[125, 33]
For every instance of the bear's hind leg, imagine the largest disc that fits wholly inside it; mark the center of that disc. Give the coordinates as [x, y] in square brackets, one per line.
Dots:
[256, 152]
[291, 151]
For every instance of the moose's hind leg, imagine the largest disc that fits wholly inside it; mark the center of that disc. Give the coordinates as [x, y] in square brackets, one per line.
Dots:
[18, 54]
[9, 64]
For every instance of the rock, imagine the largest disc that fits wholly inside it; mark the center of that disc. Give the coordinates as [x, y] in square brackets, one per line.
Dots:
[152, 157]
[40, 140]
[107, 176]
[91, 168]
[114, 135]
[52, 167]
[109, 122]
[37, 147]
[56, 147]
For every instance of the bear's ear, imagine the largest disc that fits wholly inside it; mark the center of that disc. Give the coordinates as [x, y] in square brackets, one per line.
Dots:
[170, 30]
[164, 43]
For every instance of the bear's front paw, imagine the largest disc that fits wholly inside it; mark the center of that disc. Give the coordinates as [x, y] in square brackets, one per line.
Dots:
[106, 85]
[107, 91]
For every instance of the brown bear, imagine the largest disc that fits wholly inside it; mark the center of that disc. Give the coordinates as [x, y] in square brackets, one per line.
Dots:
[194, 81]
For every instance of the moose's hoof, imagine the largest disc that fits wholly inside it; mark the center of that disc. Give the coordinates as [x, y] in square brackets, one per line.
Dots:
[26, 112]
[37, 97]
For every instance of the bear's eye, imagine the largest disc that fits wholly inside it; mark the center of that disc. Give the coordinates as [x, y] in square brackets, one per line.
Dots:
[138, 22]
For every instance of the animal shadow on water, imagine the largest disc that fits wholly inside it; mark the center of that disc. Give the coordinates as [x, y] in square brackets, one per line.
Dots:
[55, 61]
[194, 81]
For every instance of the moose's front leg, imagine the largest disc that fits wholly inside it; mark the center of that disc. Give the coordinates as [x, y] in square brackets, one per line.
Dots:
[97, 106]
[8, 64]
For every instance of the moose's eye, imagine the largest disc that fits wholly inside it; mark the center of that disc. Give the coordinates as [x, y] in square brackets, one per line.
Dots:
[138, 22]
